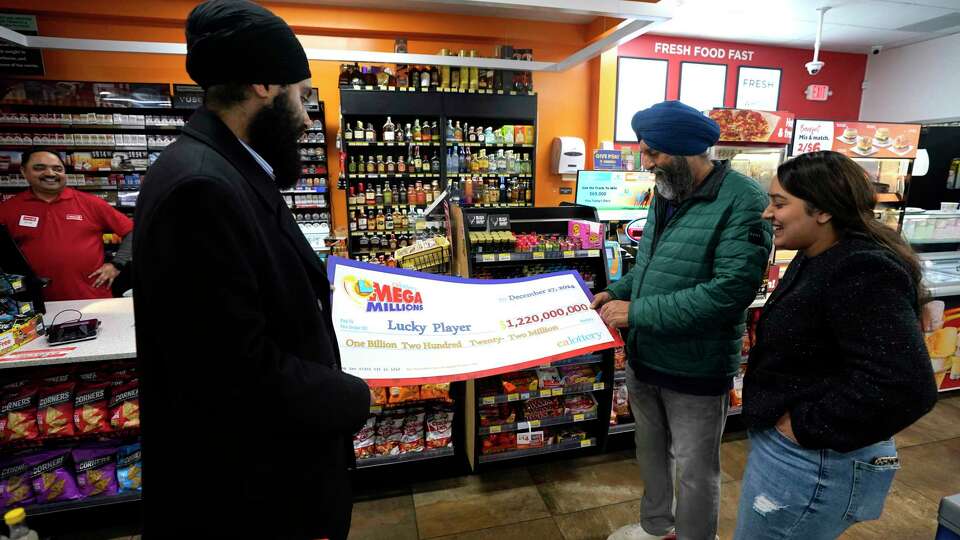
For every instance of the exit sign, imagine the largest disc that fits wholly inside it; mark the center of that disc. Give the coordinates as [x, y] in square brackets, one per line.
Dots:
[818, 92]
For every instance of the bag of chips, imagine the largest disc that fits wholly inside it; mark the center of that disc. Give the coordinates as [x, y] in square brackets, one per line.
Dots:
[621, 401]
[404, 394]
[51, 477]
[412, 439]
[96, 471]
[436, 391]
[129, 468]
[378, 396]
[15, 487]
[363, 441]
[439, 429]
[389, 433]
[55, 411]
[125, 406]
[90, 411]
[18, 415]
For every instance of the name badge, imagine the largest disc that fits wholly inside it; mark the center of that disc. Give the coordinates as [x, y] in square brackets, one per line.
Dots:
[29, 221]
[74, 217]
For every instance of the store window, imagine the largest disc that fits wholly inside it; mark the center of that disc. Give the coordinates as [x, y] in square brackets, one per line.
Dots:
[641, 82]
[703, 86]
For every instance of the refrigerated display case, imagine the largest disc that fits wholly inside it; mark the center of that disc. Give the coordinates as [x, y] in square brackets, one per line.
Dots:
[755, 142]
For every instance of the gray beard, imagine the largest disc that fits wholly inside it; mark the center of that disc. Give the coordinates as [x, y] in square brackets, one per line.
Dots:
[675, 184]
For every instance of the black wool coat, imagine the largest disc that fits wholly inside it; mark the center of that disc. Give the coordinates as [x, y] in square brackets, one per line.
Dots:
[247, 418]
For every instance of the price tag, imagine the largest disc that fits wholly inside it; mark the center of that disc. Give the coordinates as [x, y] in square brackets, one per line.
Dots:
[545, 393]
[392, 88]
[598, 386]
[525, 395]
[357, 87]
[513, 92]
[376, 409]
[533, 424]
[513, 397]
[593, 253]
[494, 429]
[382, 88]
[537, 255]
[368, 87]
[586, 443]
[490, 400]
[488, 257]
[472, 91]
[569, 254]
[578, 417]
[558, 391]
[504, 257]
[500, 92]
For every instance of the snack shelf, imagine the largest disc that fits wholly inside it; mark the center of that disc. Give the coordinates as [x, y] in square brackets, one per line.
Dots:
[522, 256]
[90, 502]
[409, 457]
[549, 449]
[543, 422]
[523, 396]
[622, 428]
[391, 143]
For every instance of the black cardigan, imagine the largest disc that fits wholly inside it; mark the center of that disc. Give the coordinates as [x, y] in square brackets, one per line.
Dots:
[839, 346]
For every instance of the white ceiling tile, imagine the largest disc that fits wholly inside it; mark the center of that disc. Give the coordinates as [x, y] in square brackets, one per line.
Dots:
[949, 4]
[884, 14]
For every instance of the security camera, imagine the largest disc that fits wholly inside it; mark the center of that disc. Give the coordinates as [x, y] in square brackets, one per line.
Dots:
[814, 67]
[875, 50]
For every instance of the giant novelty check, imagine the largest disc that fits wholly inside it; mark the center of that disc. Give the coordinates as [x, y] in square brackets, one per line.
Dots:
[402, 327]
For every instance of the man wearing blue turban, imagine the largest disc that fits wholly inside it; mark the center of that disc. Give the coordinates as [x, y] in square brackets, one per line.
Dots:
[699, 265]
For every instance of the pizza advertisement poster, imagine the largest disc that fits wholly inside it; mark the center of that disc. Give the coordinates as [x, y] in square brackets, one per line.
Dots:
[744, 125]
[857, 139]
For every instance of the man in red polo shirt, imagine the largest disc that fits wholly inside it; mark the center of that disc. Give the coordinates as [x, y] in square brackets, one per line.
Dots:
[60, 231]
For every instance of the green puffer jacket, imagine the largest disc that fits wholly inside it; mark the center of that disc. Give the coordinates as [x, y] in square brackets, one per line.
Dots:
[695, 276]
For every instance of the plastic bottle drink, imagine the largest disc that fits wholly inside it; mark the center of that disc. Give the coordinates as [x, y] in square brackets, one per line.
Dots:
[16, 519]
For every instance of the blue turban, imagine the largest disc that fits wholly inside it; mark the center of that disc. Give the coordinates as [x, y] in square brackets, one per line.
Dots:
[676, 129]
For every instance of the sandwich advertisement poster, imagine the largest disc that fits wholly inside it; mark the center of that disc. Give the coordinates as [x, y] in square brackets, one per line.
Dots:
[857, 139]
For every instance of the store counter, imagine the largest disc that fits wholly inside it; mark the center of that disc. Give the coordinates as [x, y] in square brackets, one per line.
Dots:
[115, 342]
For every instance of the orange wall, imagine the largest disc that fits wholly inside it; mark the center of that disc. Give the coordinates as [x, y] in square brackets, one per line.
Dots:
[565, 100]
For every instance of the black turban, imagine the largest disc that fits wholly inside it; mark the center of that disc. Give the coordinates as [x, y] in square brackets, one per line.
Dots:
[237, 41]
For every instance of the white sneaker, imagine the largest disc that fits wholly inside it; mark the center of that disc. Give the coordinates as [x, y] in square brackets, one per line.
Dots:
[636, 532]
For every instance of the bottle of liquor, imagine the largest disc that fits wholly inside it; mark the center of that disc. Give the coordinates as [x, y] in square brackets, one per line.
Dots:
[489, 137]
[435, 163]
[364, 243]
[401, 166]
[435, 188]
[451, 133]
[359, 134]
[403, 74]
[527, 192]
[370, 133]
[434, 77]
[348, 134]
[391, 166]
[464, 73]
[356, 75]
[426, 133]
[413, 75]
[458, 133]
[474, 73]
[425, 78]
[387, 195]
[344, 78]
[468, 192]
[409, 134]
[411, 194]
[501, 161]
[362, 166]
[371, 196]
[352, 167]
[417, 162]
[353, 221]
[462, 165]
[396, 218]
[398, 133]
[374, 243]
[393, 241]
[518, 136]
[435, 132]
[427, 195]
[444, 71]
[381, 220]
[417, 132]
[471, 135]
[502, 196]
[421, 194]
[361, 220]
[381, 165]
[378, 197]
[371, 165]
[426, 163]
[454, 77]
[388, 131]
[402, 195]
[388, 221]
[351, 196]
[404, 221]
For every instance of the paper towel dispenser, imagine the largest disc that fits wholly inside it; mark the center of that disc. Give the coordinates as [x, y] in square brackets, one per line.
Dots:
[568, 155]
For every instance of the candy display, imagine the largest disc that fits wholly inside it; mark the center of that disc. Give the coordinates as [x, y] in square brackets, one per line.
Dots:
[573, 375]
[507, 241]
[540, 408]
[549, 377]
[495, 415]
[579, 404]
[520, 381]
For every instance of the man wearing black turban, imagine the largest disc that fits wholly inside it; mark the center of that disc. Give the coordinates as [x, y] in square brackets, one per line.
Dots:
[248, 418]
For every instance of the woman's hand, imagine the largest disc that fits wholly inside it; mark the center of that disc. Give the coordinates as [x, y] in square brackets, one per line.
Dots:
[786, 428]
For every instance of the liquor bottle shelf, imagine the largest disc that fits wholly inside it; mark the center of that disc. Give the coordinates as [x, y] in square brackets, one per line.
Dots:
[536, 255]
[543, 422]
[434, 90]
[383, 206]
[390, 143]
[489, 145]
[305, 191]
[399, 176]
[489, 175]
[116, 127]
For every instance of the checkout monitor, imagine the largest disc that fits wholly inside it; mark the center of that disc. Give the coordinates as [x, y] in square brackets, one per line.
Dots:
[617, 195]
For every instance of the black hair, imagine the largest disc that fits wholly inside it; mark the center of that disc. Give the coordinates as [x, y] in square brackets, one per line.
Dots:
[27, 154]
[833, 183]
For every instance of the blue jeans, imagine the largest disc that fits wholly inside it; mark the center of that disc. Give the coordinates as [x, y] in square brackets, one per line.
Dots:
[793, 492]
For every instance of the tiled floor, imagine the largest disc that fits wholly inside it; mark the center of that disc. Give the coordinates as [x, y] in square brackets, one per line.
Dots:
[587, 498]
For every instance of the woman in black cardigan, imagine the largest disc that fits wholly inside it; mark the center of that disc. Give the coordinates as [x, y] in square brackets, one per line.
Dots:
[839, 365]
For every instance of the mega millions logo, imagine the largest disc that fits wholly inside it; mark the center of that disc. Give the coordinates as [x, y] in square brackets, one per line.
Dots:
[381, 296]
